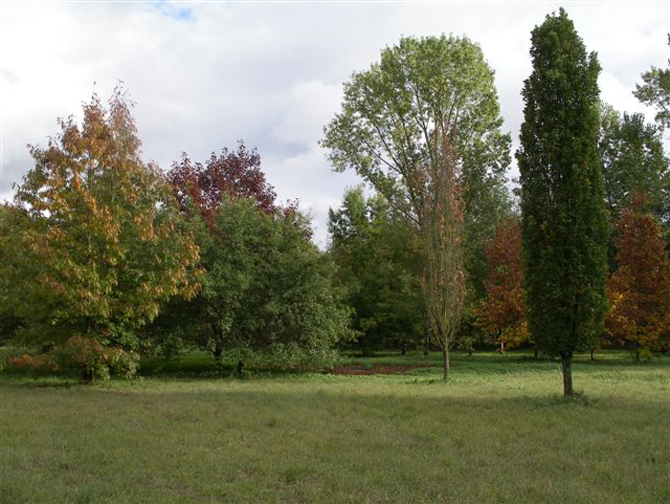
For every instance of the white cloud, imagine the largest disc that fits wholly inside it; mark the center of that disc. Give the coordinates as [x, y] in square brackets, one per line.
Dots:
[205, 75]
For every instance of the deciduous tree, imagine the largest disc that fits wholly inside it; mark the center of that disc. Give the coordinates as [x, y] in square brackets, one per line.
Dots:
[103, 242]
[379, 262]
[503, 311]
[230, 174]
[386, 130]
[639, 291]
[656, 92]
[633, 161]
[564, 221]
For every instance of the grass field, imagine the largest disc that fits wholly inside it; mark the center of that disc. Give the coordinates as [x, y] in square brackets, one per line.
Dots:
[499, 433]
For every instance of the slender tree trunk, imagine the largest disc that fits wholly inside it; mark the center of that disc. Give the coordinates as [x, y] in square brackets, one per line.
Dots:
[445, 359]
[425, 346]
[566, 361]
[592, 352]
[218, 357]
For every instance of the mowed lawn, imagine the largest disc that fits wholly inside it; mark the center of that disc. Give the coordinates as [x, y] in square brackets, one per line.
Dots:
[499, 433]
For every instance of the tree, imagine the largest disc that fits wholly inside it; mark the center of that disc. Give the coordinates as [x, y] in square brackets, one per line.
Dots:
[656, 92]
[232, 174]
[564, 221]
[441, 228]
[266, 288]
[639, 291]
[386, 130]
[633, 161]
[100, 243]
[379, 263]
[503, 310]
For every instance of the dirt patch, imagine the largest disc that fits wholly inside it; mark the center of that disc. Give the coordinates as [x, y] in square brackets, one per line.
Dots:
[377, 369]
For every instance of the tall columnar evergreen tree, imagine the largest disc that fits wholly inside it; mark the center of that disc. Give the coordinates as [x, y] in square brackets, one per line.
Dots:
[564, 220]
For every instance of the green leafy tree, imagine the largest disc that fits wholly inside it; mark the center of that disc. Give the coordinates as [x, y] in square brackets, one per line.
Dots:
[379, 263]
[387, 130]
[633, 161]
[100, 242]
[655, 92]
[266, 288]
[564, 220]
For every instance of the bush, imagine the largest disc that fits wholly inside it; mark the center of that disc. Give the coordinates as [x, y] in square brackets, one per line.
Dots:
[33, 364]
[94, 360]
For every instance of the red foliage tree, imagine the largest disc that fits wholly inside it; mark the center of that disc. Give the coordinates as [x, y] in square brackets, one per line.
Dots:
[233, 174]
[503, 310]
[639, 291]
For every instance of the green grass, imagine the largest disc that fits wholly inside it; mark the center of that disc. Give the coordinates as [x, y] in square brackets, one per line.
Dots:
[500, 433]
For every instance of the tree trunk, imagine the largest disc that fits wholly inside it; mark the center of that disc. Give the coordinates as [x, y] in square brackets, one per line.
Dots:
[566, 360]
[592, 352]
[445, 358]
[218, 357]
[425, 346]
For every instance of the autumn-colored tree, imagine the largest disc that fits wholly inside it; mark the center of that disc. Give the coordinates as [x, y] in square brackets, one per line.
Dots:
[639, 291]
[102, 242]
[440, 218]
[390, 130]
[503, 311]
[231, 174]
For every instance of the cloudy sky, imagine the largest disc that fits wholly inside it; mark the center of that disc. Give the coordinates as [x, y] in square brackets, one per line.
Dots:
[206, 74]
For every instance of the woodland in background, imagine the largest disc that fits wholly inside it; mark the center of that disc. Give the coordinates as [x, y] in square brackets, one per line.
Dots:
[104, 257]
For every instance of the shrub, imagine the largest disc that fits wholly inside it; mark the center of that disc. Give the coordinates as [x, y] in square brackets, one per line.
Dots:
[33, 364]
[94, 360]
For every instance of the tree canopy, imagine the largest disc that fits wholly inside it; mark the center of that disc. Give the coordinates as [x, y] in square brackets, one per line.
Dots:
[101, 242]
[564, 221]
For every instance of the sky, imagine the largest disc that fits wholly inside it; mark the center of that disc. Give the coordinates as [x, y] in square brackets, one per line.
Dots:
[206, 74]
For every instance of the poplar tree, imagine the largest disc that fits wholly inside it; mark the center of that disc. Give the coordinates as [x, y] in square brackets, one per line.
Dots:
[564, 221]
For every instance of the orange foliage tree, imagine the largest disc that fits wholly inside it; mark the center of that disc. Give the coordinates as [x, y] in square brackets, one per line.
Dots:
[503, 311]
[101, 242]
[639, 291]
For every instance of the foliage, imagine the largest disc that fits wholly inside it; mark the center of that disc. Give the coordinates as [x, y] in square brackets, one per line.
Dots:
[633, 161]
[33, 364]
[94, 360]
[10, 322]
[503, 311]
[379, 263]
[656, 92]
[265, 286]
[386, 130]
[639, 291]
[441, 230]
[231, 174]
[564, 221]
[100, 243]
